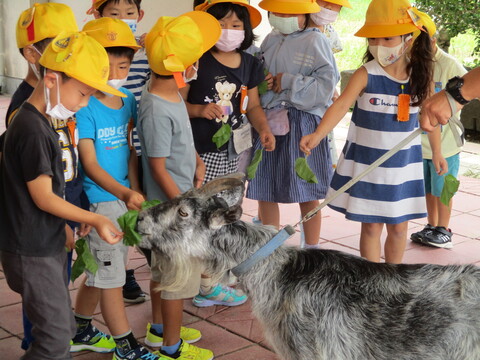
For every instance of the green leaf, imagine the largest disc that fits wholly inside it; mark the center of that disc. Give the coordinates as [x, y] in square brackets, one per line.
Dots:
[222, 136]
[450, 187]
[128, 222]
[263, 86]
[304, 172]
[150, 203]
[85, 260]
[252, 168]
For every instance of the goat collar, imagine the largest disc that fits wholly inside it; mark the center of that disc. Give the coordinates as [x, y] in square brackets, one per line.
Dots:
[264, 251]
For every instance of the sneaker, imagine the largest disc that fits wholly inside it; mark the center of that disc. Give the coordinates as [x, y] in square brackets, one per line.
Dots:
[256, 220]
[220, 295]
[187, 351]
[154, 339]
[419, 236]
[439, 237]
[92, 339]
[132, 293]
[139, 353]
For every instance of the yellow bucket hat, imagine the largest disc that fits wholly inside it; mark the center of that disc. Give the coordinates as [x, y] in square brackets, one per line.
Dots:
[81, 57]
[387, 18]
[340, 2]
[175, 43]
[97, 3]
[255, 16]
[423, 19]
[290, 6]
[111, 32]
[43, 21]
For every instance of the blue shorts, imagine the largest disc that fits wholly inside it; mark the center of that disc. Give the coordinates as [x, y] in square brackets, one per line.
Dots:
[434, 182]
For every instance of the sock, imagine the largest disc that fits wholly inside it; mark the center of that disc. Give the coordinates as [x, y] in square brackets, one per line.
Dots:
[205, 286]
[83, 322]
[125, 342]
[158, 328]
[172, 349]
[308, 246]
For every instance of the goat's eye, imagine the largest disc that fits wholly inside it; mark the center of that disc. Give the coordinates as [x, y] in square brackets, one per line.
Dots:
[182, 213]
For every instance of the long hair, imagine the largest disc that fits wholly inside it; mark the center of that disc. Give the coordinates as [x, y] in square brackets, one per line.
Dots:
[420, 67]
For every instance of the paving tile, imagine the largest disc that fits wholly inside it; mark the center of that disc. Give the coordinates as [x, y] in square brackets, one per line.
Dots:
[466, 225]
[253, 352]
[11, 319]
[464, 253]
[336, 228]
[8, 296]
[4, 334]
[10, 348]
[466, 202]
[334, 246]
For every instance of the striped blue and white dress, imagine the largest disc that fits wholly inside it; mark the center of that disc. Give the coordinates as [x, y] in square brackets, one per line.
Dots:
[393, 192]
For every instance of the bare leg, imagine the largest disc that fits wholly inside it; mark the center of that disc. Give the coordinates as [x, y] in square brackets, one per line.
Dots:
[396, 242]
[155, 297]
[172, 313]
[311, 228]
[432, 209]
[444, 213]
[270, 213]
[87, 299]
[113, 311]
[370, 246]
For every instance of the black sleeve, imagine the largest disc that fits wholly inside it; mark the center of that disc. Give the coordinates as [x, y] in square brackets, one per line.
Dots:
[256, 73]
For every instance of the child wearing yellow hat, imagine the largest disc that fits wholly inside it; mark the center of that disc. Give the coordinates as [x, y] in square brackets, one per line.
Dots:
[388, 90]
[130, 12]
[305, 74]
[36, 27]
[112, 188]
[32, 181]
[171, 165]
[437, 233]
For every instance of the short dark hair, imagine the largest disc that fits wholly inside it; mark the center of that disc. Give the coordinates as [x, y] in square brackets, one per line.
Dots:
[131, 2]
[121, 51]
[197, 2]
[158, 76]
[65, 77]
[220, 10]
[40, 45]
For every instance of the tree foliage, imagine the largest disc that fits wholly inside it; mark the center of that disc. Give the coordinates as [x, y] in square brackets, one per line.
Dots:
[454, 17]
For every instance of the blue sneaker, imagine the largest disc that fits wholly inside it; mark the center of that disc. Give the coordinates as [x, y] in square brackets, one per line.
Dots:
[256, 220]
[139, 353]
[220, 295]
[94, 340]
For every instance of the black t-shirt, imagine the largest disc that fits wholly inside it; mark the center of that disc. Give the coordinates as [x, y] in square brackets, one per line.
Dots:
[31, 149]
[220, 84]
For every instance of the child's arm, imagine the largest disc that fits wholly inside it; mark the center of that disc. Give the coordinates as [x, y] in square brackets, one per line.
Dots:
[133, 171]
[210, 111]
[337, 111]
[40, 190]
[162, 177]
[257, 117]
[199, 172]
[92, 168]
[434, 138]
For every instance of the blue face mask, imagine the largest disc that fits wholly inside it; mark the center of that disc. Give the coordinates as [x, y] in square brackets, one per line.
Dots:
[286, 25]
[132, 23]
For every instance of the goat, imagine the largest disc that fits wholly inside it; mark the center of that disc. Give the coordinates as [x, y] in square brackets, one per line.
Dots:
[319, 304]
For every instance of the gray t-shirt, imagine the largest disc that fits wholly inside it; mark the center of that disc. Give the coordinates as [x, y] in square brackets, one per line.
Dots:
[164, 131]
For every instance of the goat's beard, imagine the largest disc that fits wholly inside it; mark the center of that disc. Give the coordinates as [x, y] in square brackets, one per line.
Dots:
[175, 269]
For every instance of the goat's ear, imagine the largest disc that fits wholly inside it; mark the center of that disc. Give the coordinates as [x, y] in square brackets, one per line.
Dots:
[221, 217]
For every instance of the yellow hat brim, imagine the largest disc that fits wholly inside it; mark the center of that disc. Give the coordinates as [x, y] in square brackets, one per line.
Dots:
[378, 31]
[287, 7]
[341, 2]
[255, 15]
[99, 86]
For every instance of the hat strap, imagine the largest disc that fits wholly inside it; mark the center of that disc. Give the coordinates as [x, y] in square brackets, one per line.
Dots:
[178, 76]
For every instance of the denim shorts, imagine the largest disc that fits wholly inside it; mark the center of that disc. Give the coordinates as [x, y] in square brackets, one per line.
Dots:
[434, 182]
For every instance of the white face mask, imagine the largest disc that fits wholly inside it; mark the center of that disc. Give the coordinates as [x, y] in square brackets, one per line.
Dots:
[324, 17]
[116, 83]
[230, 40]
[389, 55]
[59, 111]
[286, 25]
[33, 66]
[132, 23]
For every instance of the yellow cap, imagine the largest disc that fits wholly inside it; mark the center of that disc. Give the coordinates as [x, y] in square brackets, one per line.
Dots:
[290, 6]
[81, 57]
[255, 16]
[111, 32]
[43, 21]
[387, 18]
[340, 2]
[175, 43]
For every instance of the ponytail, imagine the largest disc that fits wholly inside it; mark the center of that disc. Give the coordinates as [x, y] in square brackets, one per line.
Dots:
[421, 68]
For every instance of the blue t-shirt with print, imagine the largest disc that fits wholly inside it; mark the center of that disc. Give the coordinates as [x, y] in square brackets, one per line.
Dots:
[108, 128]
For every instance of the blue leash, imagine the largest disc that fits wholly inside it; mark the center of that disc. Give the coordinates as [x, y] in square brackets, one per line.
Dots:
[264, 251]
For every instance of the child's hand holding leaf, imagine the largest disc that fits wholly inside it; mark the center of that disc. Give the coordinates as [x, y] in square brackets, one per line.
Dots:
[304, 172]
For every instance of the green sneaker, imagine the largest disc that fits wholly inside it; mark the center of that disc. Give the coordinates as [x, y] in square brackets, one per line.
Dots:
[154, 339]
[94, 340]
[187, 352]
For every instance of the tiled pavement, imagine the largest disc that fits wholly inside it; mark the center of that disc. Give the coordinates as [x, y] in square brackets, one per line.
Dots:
[233, 333]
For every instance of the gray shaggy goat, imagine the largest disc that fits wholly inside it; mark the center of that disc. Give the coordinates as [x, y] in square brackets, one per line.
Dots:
[320, 304]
